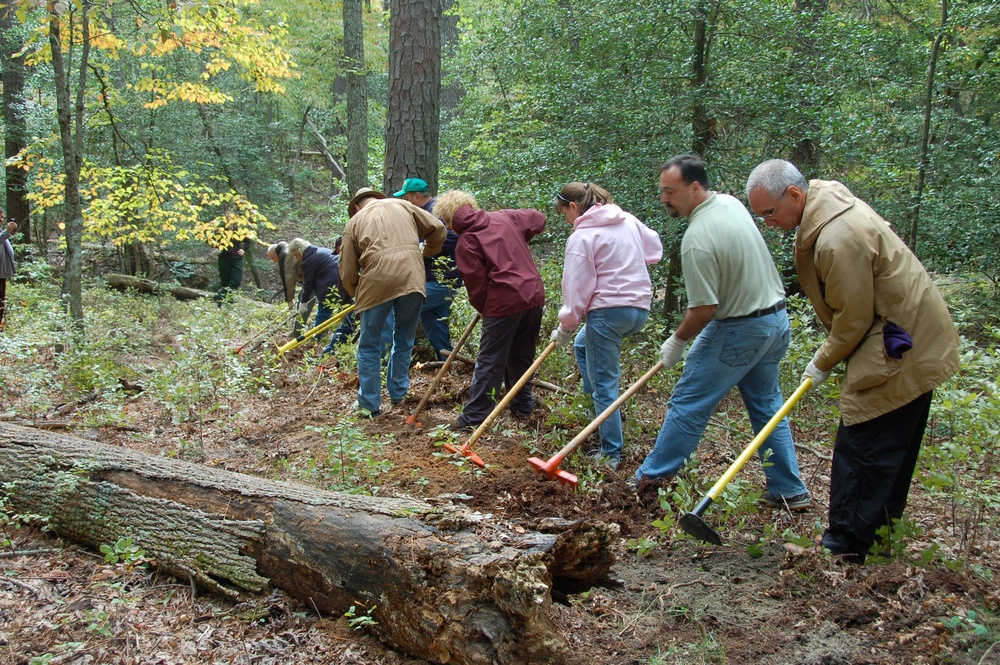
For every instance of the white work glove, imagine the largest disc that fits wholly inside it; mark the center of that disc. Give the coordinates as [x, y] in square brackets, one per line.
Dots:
[671, 351]
[304, 309]
[817, 375]
[561, 337]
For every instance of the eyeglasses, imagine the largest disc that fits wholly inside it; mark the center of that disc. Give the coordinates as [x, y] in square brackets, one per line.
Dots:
[769, 214]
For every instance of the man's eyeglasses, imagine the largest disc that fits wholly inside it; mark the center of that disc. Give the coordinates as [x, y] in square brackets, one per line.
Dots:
[769, 214]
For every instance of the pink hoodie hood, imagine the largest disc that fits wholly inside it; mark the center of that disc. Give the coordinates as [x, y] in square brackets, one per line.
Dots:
[605, 264]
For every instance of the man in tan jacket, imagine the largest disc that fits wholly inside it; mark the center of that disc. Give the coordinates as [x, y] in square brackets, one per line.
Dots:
[886, 320]
[382, 267]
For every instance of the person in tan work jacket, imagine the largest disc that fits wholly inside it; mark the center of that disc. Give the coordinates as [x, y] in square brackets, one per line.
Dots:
[382, 267]
[886, 320]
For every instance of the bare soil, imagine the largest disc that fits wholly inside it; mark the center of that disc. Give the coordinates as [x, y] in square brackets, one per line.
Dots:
[755, 599]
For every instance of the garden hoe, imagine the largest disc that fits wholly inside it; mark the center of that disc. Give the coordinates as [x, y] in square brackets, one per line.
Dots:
[281, 320]
[309, 334]
[412, 418]
[551, 468]
[692, 522]
[466, 448]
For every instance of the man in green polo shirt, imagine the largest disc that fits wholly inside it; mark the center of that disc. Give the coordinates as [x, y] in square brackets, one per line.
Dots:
[736, 317]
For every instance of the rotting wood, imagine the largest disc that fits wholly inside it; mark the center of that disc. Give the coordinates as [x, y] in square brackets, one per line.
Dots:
[127, 282]
[437, 588]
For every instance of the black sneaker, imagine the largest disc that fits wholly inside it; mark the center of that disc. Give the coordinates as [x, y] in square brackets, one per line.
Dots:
[794, 503]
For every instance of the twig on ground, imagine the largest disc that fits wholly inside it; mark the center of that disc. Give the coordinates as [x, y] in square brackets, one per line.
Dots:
[11, 555]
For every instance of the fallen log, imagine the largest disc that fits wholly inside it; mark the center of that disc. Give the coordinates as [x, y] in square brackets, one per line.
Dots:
[437, 588]
[127, 282]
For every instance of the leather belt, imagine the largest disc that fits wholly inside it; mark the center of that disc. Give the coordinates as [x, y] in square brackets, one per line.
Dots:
[777, 307]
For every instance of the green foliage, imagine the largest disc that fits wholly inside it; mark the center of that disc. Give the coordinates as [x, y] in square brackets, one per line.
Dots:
[352, 458]
[643, 546]
[11, 521]
[123, 551]
[361, 621]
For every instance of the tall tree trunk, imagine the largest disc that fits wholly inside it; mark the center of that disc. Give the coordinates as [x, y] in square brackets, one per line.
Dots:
[925, 133]
[702, 123]
[451, 94]
[15, 122]
[806, 153]
[413, 113]
[357, 96]
[703, 128]
[70, 120]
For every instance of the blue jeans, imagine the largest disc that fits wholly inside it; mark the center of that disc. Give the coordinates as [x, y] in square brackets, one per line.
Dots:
[406, 310]
[434, 316]
[744, 353]
[598, 348]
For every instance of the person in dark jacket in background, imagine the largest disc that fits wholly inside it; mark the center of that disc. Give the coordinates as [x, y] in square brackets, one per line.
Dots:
[6, 262]
[230, 263]
[320, 278]
[504, 285]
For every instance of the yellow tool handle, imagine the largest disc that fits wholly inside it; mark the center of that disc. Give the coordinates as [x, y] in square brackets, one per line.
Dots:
[329, 323]
[759, 439]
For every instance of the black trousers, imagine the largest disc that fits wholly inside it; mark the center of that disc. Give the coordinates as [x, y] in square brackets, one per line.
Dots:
[506, 351]
[3, 299]
[873, 465]
[230, 274]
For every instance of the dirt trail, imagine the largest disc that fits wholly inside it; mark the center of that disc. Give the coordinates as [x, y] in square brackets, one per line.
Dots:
[749, 601]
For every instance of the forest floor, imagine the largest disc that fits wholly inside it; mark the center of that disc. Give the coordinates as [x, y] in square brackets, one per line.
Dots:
[758, 598]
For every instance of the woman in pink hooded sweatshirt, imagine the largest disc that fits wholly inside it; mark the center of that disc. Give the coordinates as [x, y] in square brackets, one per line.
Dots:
[605, 279]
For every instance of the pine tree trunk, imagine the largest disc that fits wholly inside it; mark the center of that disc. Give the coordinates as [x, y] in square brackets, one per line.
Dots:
[412, 126]
[357, 96]
[437, 589]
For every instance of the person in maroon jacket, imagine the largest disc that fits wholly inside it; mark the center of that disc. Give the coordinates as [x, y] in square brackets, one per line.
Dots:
[504, 286]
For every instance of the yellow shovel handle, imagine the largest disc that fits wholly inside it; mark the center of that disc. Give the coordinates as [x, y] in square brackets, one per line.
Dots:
[329, 323]
[758, 440]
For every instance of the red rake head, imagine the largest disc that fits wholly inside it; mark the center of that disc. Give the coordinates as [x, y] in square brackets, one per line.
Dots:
[466, 450]
[551, 471]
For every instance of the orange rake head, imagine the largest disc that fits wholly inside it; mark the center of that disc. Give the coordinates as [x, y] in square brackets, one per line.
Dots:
[412, 420]
[551, 470]
[466, 450]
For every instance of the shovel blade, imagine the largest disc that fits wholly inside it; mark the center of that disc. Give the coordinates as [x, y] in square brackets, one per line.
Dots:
[693, 525]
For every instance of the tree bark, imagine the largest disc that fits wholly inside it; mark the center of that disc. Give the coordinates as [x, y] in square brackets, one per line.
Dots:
[437, 588]
[70, 119]
[925, 132]
[357, 96]
[413, 122]
[14, 117]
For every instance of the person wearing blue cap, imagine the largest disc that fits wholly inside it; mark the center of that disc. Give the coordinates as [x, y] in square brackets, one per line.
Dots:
[441, 273]
[885, 320]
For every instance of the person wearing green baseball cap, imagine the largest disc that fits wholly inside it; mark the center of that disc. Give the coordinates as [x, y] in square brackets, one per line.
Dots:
[414, 186]
[441, 273]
